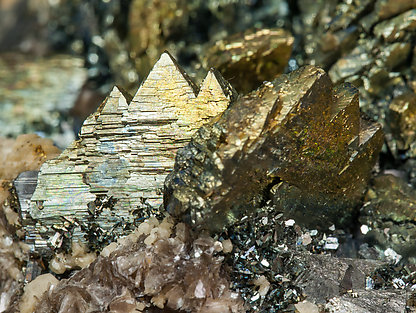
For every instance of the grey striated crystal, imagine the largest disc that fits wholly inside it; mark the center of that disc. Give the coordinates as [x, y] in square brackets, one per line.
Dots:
[95, 189]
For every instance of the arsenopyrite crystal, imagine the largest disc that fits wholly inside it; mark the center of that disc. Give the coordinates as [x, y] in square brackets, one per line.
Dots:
[299, 130]
[124, 153]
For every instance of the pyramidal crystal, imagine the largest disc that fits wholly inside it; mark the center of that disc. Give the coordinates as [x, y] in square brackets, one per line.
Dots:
[126, 149]
[299, 140]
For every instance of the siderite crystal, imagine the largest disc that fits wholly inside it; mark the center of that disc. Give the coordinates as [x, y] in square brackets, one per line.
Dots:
[299, 130]
[124, 153]
[158, 268]
[259, 54]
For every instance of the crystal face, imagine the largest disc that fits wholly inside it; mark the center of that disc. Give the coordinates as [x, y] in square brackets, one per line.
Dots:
[299, 134]
[125, 151]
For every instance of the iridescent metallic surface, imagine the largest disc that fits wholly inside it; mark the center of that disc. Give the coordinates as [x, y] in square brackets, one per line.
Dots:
[371, 45]
[96, 187]
[299, 130]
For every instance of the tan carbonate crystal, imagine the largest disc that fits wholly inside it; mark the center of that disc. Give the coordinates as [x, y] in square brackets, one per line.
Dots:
[33, 292]
[175, 273]
[125, 151]
[78, 258]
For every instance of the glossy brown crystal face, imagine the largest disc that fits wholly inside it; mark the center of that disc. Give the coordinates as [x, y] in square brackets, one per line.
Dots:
[298, 130]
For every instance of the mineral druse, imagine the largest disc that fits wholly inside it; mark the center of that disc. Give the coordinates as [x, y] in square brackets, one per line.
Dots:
[124, 153]
[158, 268]
[370, 44]
[390, 215]
[297, 136]
[260, 55]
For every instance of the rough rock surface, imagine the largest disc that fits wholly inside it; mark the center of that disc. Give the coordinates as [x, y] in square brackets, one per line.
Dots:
[25, 153]
[299, 130]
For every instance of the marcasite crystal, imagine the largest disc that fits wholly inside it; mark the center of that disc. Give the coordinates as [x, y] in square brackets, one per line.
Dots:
[299, 130]
[371, 45]
[259, 54]
[124, 153]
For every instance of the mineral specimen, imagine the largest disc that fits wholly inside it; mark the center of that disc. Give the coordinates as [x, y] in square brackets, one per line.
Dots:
[298, 131]
[390, 215]
[185, 27]
[96, 187]
[156, 267]
[370, 44]
[402, 122]
[25, 153]
[259, 55]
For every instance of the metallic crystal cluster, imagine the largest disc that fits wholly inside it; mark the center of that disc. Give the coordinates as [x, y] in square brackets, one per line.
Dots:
[98, 185]
[296, 152]
[371, 45]
[299, 138]
[260, 54]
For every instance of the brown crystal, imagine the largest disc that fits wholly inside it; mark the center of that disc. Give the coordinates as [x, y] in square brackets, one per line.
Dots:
[299, 130]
